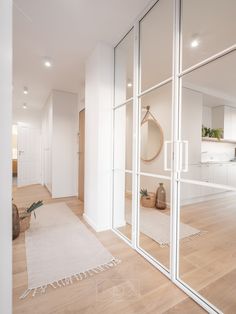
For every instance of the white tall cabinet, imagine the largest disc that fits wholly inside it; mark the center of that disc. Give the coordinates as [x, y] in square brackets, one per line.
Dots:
[225, 117]
[60, 147]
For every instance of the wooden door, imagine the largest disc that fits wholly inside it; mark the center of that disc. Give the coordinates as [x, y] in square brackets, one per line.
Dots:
[81, 153]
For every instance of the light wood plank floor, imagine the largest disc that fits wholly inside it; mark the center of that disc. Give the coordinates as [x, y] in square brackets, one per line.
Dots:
[208, 262]
[134, 286]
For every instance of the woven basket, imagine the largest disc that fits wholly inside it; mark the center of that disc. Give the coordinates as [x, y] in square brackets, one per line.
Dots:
[149, 201]
[24, 221]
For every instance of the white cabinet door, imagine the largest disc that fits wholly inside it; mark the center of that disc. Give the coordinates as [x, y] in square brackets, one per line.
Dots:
[219, 174]
[233, 126]
[227, 123]
[232, 174]
[206, 176]
[191, 191]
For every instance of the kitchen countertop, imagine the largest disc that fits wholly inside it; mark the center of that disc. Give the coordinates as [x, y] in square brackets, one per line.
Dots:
[217, 162]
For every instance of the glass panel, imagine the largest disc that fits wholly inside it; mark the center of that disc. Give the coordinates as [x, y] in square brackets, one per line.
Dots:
[207, 255]
[156, 31]
[122, 203]
[123, 137]
[209, 121]
[155, 129]
[208, 27]
[154, 218]
[124, 69]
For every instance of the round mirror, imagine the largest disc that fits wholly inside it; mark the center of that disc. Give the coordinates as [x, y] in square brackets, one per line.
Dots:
[151, 139]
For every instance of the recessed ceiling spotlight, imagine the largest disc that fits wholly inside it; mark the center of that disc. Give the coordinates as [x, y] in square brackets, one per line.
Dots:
[47, 62]
[25, 90]
[129, 84]
[24, 106]
[195, 41]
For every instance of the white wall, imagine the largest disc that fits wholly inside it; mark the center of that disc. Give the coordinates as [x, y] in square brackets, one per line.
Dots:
[98, 137]
[207, 116]
[5, 157]
[32, 118]
[60, 144]
[47, 144]
[191, 124]
[64, 144]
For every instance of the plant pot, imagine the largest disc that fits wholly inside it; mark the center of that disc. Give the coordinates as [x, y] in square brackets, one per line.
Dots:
[148, 201]
[24, 221]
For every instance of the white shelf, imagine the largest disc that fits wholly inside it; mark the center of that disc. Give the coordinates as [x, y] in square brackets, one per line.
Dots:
[212, 139]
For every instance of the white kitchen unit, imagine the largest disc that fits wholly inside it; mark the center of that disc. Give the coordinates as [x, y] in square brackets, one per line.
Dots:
[232, 174]
[59, 136]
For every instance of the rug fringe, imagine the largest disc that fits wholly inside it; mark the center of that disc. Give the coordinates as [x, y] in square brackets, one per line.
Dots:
[69, 280]
[186, 239]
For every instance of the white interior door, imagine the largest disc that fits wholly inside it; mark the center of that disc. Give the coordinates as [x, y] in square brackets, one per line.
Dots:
[29, 155]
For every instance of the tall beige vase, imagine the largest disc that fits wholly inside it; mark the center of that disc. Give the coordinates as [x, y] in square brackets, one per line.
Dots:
[161, 197]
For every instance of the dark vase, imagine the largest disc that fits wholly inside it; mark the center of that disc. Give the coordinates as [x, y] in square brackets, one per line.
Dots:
[15, 222]
[161, 197]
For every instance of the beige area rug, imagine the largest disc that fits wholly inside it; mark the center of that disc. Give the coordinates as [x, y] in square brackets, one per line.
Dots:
[61, 249]
[156, 225]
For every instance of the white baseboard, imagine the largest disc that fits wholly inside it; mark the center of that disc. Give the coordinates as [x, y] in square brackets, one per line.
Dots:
[94, 225]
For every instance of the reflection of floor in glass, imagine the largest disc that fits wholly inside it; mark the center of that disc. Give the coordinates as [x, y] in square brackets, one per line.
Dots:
[207, 262]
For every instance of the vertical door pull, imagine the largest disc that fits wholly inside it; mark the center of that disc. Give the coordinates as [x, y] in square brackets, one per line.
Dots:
[166, 143]
[184, 151]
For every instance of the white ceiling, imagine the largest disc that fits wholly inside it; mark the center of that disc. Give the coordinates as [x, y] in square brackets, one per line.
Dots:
[66, 31]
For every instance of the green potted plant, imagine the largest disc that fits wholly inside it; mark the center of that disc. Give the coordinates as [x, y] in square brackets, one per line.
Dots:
[212, 133]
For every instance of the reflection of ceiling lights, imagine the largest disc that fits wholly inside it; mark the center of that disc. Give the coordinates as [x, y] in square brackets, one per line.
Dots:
[24, 106]
[195, 43]
[25, 90]
[47, 62]
[129, 84]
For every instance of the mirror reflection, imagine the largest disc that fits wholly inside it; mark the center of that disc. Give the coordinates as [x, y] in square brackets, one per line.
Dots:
[151, 137]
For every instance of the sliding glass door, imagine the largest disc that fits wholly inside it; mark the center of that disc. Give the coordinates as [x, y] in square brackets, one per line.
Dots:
[174, 165]
[155, 131]
[207, 190]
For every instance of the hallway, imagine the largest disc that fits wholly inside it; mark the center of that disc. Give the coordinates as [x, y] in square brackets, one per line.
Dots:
[134, 286]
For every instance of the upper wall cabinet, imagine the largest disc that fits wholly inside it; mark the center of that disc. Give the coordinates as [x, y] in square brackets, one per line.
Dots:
[208, 27]
[156, 35]
[124, 69]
